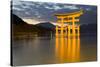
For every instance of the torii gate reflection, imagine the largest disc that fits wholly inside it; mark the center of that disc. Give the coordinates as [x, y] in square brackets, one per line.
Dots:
[67, 47]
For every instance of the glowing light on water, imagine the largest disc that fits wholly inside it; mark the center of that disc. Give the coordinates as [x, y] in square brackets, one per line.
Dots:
[67, 49]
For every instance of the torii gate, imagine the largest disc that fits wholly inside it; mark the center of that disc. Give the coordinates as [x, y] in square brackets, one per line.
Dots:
[68, 18]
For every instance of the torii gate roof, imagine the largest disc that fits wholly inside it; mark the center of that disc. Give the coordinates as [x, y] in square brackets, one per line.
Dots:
[72, 13]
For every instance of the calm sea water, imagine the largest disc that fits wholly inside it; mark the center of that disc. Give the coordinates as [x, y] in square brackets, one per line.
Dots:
[28, 50]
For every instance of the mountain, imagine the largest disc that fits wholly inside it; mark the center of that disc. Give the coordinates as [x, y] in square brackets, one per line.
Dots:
[16, 20]
[85, 28]
[18, 25]
[46, 25]
[21, 27]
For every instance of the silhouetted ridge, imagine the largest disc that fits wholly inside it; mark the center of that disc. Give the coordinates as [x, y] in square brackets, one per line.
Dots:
[46, 25]
[21, 27]
[16, 20]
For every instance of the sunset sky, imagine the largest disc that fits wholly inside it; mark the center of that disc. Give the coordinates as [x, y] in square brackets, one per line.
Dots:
[37, 12]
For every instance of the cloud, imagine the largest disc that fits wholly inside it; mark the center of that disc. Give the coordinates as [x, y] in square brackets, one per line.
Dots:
[18, 9]
[88, 9]
[70, 7]
[47, 7]
[57, 7]
[43, 11]
[16, 2]
[27, 13]
[31, 21]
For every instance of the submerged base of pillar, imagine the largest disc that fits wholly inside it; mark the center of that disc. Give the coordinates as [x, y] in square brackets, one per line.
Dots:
[63, 35]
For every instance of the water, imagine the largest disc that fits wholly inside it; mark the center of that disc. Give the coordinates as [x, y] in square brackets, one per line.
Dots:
[50, 50]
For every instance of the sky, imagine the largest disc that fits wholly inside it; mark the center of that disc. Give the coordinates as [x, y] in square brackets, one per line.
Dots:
[37, 12]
